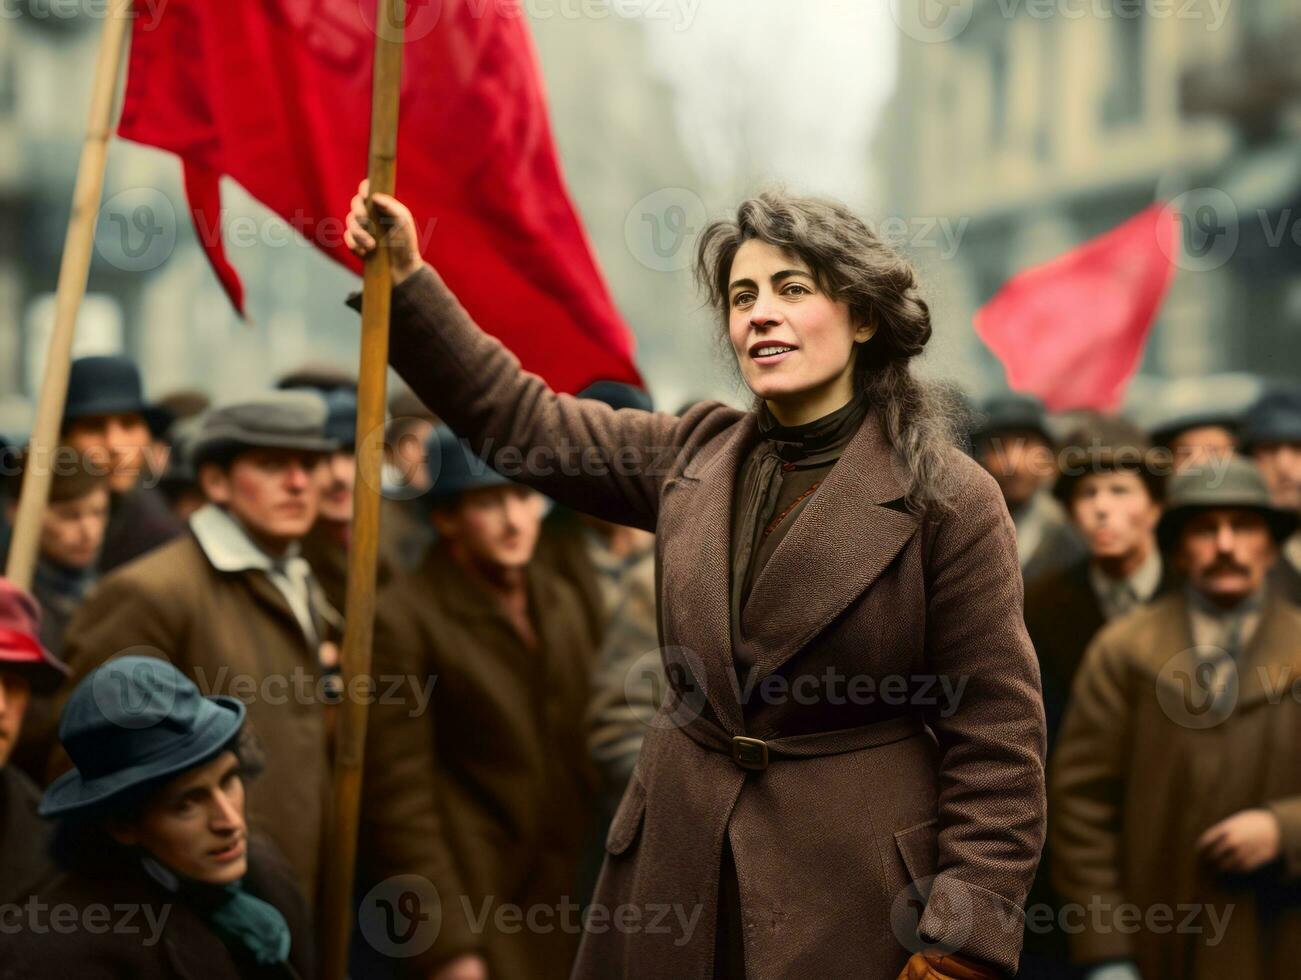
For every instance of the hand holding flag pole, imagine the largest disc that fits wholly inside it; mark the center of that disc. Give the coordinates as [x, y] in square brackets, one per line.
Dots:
[359, 607]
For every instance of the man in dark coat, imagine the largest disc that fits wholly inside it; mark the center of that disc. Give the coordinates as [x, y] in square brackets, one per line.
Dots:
[234, 606]
[107, 419]
[486, 790]
[1111, 486]
[1012, 442]
[1271, 435]
[25, 667]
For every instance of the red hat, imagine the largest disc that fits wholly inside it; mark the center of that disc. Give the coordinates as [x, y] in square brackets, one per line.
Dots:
[20, 646]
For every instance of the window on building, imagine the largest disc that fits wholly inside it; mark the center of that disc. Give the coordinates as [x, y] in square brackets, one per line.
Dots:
[1124, 92]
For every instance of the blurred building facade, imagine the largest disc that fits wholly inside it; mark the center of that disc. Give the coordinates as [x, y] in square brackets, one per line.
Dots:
[1039, 125]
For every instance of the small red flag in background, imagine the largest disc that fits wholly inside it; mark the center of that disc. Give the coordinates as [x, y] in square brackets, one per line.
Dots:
[276, 94]
[1071, 331]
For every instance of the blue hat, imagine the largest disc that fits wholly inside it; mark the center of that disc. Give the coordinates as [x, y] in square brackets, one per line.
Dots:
[1276, 417]
[617, 394]
[454, 469]
[131, 722]
[341, 417]
[110, 386]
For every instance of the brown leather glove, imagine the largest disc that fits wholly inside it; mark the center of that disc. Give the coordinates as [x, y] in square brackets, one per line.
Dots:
[935, 965]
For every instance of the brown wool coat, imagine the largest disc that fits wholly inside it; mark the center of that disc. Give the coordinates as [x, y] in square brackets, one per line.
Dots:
[230, 634]
[1135, 781]
[486, 792]
[833, 835]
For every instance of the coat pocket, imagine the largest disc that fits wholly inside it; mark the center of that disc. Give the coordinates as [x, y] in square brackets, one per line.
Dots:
[627, 819]
[919, 847]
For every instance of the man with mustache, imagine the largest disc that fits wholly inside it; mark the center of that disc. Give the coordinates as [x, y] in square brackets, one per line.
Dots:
[234, 605]
[1175, 788]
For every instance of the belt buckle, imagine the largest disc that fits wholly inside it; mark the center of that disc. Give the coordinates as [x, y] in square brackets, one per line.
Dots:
[750, 753]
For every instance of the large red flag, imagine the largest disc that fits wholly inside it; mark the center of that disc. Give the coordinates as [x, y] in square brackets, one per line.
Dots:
[276, 94]
[1071, 331]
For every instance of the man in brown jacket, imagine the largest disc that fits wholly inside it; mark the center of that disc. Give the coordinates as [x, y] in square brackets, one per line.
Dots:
[1176, 785]
[233, 605]
[486, 791]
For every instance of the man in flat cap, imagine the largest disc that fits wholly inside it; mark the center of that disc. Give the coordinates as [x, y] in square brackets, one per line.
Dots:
[108, 421]
[26, 667]
[1175, 788]
[1271, 435]
[486, 791]
[1012, 442]
[235, 607]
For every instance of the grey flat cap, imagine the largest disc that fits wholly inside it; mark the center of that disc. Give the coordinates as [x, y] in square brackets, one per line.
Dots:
[276, 420]
[1201, 488]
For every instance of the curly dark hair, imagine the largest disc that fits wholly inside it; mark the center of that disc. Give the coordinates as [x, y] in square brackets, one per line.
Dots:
[854, 266]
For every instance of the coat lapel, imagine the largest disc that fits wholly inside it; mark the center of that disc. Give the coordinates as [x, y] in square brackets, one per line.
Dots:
[696, 573]
[840, 543]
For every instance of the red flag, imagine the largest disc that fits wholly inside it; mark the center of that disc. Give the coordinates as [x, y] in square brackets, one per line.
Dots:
[276, 94]
[1071, 331]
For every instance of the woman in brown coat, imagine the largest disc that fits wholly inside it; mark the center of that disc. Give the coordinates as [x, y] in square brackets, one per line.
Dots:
[849, 766]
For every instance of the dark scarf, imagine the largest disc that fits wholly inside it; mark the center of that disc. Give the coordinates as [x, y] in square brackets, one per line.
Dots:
[813, 442]
[242, 921]
[58, 580]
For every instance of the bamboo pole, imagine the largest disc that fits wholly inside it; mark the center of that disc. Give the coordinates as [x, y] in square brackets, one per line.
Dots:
[359, 608]
[74, 270]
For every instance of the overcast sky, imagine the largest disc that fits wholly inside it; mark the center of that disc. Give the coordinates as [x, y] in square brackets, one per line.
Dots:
[778, 91]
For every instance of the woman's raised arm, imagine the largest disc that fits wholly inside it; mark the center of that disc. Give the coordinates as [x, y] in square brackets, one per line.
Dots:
[606, 462]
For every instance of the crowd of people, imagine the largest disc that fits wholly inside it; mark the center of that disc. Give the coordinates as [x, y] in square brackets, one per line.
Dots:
[168, 689]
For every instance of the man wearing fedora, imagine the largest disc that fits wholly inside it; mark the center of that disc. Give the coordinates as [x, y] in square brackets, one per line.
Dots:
[1111, 488]
[1271, 435]
[1012, 442]
[26, 668]
[163, 877]
[108, 421]
[233, 604]
[486, 791]
[1176, 784]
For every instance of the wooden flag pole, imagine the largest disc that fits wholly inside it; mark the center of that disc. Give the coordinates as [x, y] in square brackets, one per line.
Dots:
[74, 270]
[359, 608]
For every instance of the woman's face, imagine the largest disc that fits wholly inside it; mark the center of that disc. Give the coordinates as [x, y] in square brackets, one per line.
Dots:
[195, 824]
[794, 343]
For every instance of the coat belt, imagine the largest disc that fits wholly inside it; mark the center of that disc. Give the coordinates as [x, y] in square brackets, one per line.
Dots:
[755, 753]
